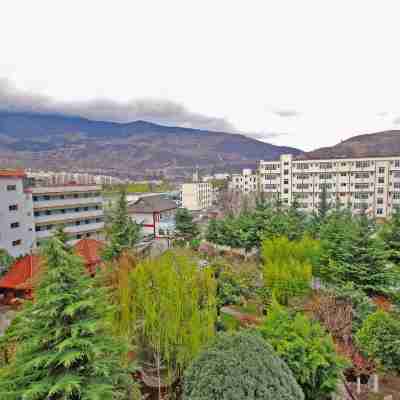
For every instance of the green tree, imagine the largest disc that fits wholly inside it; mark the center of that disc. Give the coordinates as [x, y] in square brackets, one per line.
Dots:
[323, 206]
[64, 349]
[288, 266]
[172, 308]
[184, 224]
[62, 237]
[240, 366]
[379, 339]
[391, 236]
[122, 232]
[5, 261]
[307, 350]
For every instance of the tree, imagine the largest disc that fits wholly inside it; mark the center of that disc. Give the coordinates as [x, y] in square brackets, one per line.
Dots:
[323, 206]
[287, 266]
[62, 237]
[391, 236]
[122, 232]
[379, 338]
[240, 366]
[307, 350]
[184, 224]
[5, 261]
[64, 349]
[173, 310]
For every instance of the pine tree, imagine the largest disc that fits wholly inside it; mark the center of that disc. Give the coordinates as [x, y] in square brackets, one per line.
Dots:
[323, 206]
[64, 347]
[185, 225]
[122, 233]
[62, 236]
[391, 236]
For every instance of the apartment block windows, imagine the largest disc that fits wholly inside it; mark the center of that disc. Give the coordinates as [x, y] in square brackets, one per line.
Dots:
[14, 225]
[17, 242]
[379, 201]
[381, 170]
[11, 188]
[379, 211]
[380, 190]
[381, 179]
[362, 164]
[286, 172]
[286, 182]
[13, 207]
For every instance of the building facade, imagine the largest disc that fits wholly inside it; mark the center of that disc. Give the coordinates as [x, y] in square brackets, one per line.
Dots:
[372, 183]
[17, 234]
[78, 208]
[246, 182]
[197, 196]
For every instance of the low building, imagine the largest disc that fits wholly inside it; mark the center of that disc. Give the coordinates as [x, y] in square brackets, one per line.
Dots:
[197, 196]
[17, 234]
[20, 280]
[78, 208]
[156, 214]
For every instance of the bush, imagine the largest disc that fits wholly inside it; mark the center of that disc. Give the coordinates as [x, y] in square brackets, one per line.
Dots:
[240, 366]
[306, 348]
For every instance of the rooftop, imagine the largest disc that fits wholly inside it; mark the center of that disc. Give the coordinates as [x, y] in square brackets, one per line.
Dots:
[150, 204]
[9, 173]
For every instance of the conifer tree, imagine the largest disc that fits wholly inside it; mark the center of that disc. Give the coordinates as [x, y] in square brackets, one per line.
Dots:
[62, 236]
[185, 225]
[323, 206]
[64, 347]
[122, 232]
[391, 236]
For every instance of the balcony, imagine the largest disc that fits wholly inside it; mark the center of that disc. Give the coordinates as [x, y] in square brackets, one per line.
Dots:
[73, 230]
[46, 219]
[44, 204]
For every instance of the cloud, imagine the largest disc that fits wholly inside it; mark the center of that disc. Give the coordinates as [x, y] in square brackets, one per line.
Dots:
[396, 121]
[153, 110]
[287, 113]
[266, 136]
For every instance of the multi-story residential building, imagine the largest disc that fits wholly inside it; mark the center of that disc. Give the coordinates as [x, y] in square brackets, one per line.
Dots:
[197, 196]
[78, 208]
[17, 234]
[371, 183]
[246, 182]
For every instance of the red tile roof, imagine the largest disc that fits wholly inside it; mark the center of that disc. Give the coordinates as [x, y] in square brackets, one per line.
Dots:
[23, 271]
[90, 251]
[8, 173]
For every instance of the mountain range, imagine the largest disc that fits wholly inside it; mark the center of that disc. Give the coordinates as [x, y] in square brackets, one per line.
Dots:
[135, 149]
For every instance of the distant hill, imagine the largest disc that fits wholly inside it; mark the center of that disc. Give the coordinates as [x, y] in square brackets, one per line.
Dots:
[131, 149]
[386, 143]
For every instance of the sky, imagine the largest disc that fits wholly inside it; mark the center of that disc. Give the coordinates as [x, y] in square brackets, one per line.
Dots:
[306, 73]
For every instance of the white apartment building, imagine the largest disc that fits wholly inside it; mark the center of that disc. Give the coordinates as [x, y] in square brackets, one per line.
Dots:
[371, 183]
[197, 196]
[79, 208]
[17, 233]
[246, 182]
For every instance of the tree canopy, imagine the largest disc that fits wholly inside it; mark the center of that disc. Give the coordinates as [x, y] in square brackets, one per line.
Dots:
[240, 366]
[184, 224]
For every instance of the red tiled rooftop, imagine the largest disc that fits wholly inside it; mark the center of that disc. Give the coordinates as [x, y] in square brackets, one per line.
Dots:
[21, 273]
[8, 173]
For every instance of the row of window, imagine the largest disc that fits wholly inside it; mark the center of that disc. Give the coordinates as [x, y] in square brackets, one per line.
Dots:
[49, 227]
[47, 197]
[66, 210]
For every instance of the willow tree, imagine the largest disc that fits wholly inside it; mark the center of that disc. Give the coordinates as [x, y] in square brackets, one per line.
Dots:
[173, 311]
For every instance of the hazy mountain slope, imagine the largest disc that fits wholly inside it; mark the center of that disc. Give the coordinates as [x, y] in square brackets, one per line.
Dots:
[136, 148]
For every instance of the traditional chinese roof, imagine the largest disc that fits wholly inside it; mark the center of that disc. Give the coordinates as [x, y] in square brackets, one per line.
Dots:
[22, 273]
[150, 204]
[8, 173]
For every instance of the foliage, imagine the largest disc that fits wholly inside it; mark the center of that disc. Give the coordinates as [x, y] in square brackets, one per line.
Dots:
[122, 232]
[240, 366]
[379, 338]
[391, 236]
[5, 261]
[62, 237]
[353, 252]
[139, 187]
[287, 266]
[184, 224]
[172, 307]
[64, 348]
[249, 228]
[307, 350]
[323, 206]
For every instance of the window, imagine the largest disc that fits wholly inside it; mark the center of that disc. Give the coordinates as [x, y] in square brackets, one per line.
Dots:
[379, 201]
[286, 191]
[380, 190]
[343, 164]
[302, 166]
[343, 184]
[381, 170]
[361, 186]
[17, 242]
[13, 207]
[381, 180]
[286, 182]
[14, 225]
[271, 166]
[362, 164]
[302, 186]
[379, 211]
[11, 188]
[35, 198]
[325, 176]
[362, 175]
[361, 195]
[397, 163]
[343, 174]
[269, 187]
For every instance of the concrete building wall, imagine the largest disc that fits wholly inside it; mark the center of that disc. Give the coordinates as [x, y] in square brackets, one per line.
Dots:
[197, 196]
[246, 182]
[16, 217]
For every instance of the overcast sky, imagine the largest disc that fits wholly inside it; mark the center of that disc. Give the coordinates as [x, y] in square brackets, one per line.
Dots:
[300, 73]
